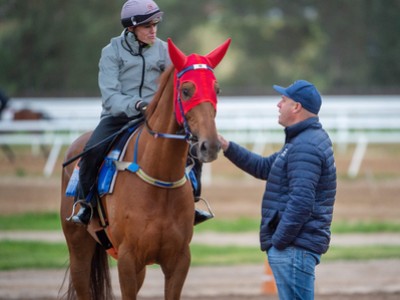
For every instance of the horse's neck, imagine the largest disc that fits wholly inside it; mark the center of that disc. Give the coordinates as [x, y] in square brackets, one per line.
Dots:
[164, 156]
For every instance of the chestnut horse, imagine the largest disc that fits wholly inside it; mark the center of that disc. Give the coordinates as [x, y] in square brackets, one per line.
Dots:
[150, 222]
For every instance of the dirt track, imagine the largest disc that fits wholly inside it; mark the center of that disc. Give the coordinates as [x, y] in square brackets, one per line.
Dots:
[339, 280]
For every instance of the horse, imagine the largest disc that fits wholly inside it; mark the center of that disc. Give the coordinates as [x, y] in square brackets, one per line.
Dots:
[150, 221]
[22, 114]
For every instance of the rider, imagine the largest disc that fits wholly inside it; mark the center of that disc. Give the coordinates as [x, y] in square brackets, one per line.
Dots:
[128, 71]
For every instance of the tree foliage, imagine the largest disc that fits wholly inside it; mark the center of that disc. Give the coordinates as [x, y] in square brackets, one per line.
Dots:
[53, 47]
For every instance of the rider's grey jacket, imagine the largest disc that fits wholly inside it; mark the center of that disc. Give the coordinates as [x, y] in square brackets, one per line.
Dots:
[128, 73]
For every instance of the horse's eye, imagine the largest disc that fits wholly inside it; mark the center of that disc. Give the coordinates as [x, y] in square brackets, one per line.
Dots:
[187, 90]
[185, 93]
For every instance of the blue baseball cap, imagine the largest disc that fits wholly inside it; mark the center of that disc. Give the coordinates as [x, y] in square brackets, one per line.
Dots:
[304, 92]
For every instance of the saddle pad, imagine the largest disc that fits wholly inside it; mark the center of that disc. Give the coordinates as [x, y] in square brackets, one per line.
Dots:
[107, 172]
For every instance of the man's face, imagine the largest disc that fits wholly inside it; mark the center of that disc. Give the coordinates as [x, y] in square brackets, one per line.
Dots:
[286, 111]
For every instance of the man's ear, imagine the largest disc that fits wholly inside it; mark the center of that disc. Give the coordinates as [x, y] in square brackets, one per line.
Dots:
[297, 107]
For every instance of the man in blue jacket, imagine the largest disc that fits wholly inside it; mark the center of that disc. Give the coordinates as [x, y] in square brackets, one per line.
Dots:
[300, 192]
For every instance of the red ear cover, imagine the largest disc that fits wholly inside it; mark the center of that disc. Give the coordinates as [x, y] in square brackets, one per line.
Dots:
[178, 58]
[215, 56]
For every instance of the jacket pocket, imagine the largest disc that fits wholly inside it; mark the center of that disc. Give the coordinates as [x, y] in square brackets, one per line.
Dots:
[270, 221]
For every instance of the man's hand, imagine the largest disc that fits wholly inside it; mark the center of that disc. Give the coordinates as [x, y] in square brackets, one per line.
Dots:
[141, 106]
[224, 142]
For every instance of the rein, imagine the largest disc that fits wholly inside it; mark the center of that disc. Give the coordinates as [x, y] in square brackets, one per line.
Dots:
[188, 136]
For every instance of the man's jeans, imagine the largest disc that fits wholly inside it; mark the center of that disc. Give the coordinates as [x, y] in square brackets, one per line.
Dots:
[294, 272]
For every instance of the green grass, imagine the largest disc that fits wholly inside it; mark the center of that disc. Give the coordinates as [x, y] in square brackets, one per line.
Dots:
[32, 255]
[362, 252]
[227, 225]
[31, 221]
[41, 255]
[51, 221]
[225, 255]
[365, 227]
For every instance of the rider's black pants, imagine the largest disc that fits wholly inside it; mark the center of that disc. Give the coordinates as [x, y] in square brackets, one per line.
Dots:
[91, 161]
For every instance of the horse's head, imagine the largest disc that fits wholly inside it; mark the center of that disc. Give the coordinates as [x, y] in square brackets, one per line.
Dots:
[195, 95]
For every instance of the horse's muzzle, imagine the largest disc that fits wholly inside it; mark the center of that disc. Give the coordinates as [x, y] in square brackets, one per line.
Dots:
[208, 151]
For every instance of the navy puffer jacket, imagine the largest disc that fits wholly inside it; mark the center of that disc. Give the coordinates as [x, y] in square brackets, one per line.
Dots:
[300, 192]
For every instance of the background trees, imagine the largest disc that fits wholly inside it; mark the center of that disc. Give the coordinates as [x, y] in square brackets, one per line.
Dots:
[52, 48]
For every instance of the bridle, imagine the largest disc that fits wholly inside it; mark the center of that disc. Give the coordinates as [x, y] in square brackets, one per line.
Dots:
[187, 136]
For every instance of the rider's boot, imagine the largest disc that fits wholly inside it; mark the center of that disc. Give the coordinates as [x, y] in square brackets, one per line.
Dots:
[85, 212]
[83, 216]
[201, 216]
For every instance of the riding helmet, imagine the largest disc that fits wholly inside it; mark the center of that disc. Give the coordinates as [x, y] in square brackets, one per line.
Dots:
[138, 12]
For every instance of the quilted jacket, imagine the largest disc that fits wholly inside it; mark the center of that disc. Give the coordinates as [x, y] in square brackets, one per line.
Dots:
[300, 192]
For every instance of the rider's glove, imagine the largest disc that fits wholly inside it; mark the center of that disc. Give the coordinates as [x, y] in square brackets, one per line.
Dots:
[141, 106]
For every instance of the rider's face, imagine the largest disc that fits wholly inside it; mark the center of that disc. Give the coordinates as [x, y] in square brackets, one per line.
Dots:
[146, 33]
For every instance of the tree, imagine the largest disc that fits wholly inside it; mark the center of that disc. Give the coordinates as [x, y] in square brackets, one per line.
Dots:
[53, 47]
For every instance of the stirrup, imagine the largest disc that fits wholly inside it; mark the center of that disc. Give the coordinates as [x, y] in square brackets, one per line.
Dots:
[83, 201]
[208, 205]
[203, 215]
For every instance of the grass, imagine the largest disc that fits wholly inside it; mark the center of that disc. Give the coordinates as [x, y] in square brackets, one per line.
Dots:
[362, 252]
[32, 255]
[365, 227]
[51, 221]
[31, 221]
[225, 255]
[41, 255]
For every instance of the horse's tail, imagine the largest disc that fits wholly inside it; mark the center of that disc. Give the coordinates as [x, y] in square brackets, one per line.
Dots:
[100, 279]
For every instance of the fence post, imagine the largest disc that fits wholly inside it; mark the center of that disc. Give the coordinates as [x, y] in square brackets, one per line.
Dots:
[52, 159]
[358, 156]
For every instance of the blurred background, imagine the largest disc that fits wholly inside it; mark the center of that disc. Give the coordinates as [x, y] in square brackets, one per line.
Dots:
[52, 48]
[49, 53]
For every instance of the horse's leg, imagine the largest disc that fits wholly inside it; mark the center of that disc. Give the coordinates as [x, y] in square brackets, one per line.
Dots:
[131, 276]
[81, 250]
[175, 271]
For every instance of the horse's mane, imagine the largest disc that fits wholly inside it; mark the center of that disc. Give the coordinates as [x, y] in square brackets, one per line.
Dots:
[165, 78]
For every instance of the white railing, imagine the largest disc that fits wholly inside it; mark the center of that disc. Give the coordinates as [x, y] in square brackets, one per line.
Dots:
[359, 120]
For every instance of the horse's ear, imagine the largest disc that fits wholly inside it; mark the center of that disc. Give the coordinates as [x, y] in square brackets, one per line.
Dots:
[215, 56]
[178, 58]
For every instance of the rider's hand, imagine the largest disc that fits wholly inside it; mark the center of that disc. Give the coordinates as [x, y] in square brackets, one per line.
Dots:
[141, 106]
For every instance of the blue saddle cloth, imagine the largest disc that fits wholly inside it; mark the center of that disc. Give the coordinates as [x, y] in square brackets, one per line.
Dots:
[107, 170]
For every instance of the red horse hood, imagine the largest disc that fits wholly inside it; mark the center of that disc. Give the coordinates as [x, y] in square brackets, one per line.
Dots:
[198, 70]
